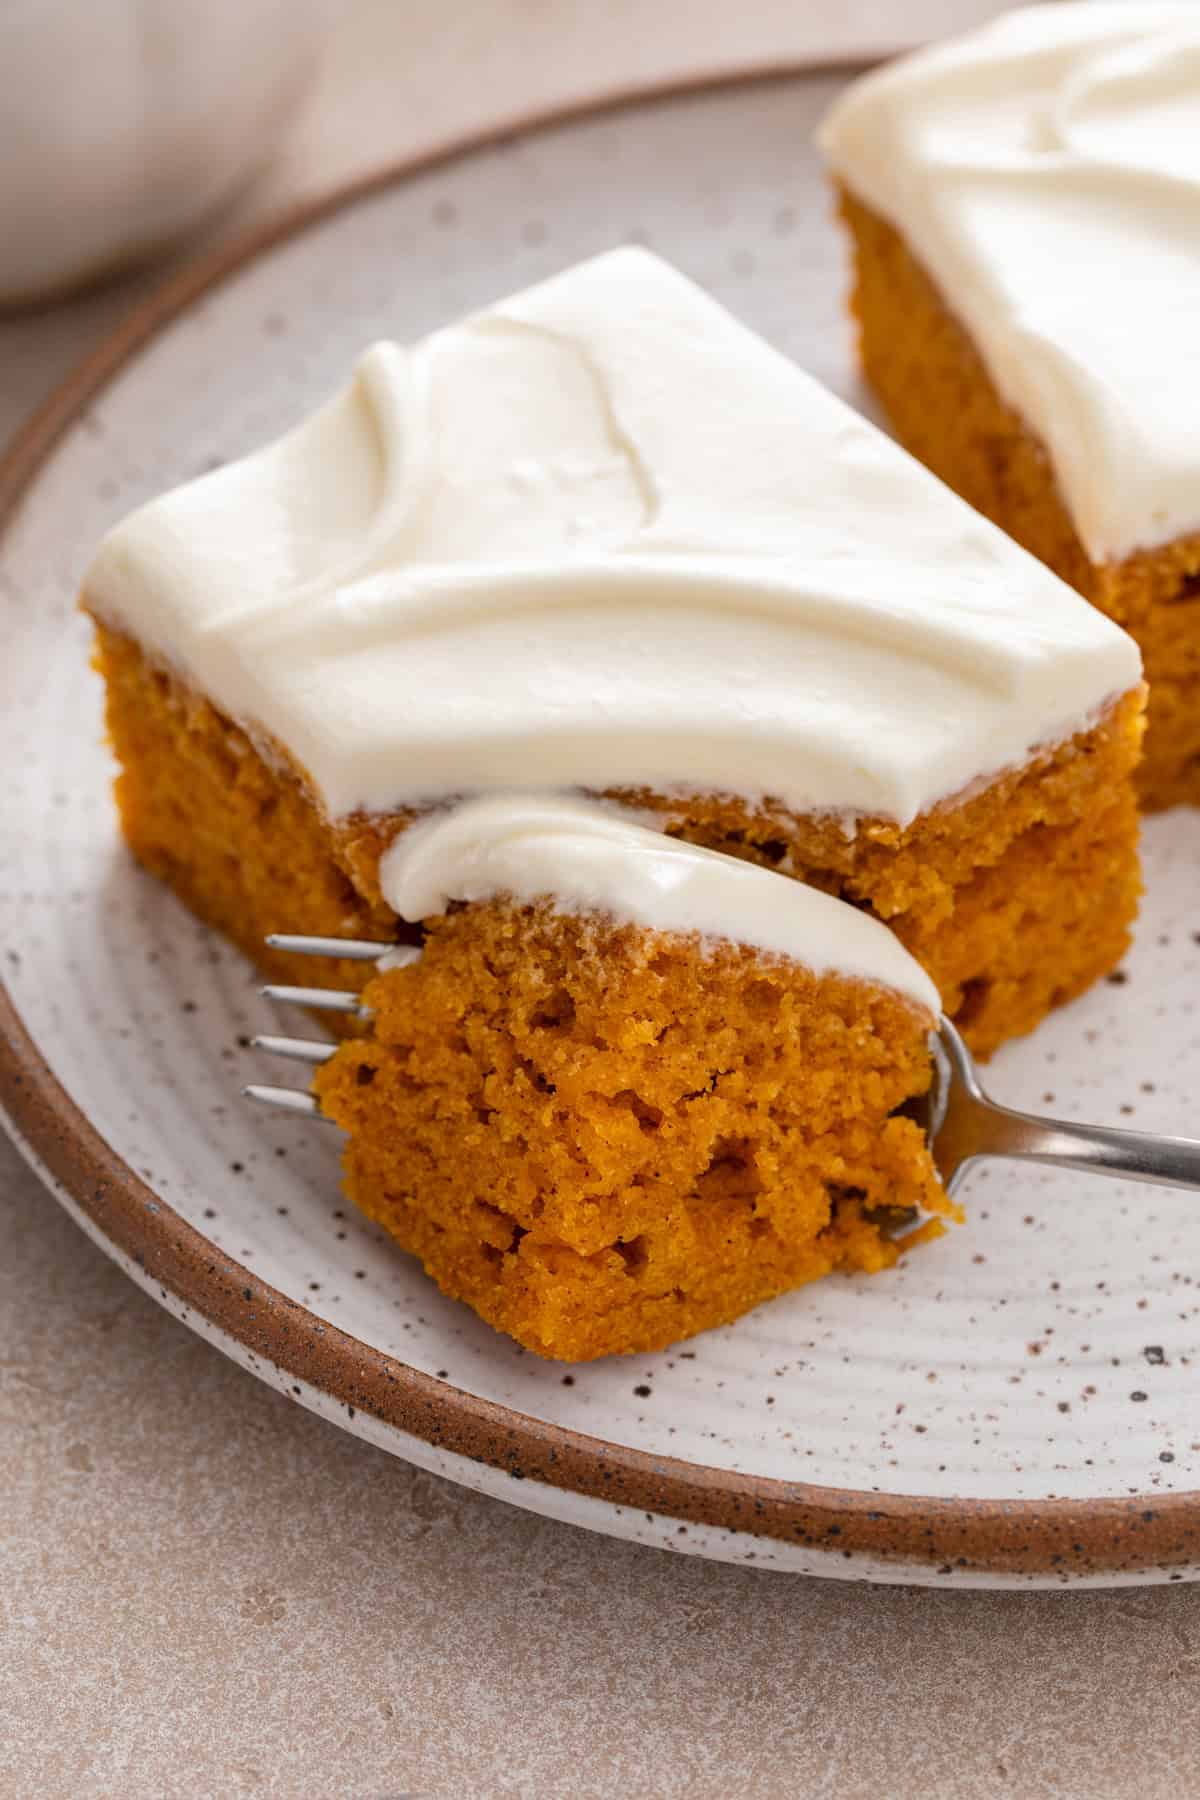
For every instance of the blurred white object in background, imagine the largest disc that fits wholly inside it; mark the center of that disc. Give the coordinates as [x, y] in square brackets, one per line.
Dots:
[125, 123]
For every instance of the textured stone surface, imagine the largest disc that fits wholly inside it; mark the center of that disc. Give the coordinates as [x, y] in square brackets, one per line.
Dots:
[208, 1591]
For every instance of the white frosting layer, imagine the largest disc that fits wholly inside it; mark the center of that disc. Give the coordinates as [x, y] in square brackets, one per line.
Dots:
[602, 535]
[590, 858]
[1046, 172]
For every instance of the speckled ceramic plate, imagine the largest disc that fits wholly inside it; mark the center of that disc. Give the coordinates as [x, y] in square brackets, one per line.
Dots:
[1017, 1404]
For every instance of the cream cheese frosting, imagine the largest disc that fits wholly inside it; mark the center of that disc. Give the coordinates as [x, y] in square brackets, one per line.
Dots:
[600, 535]
[1045, 170]
[590, 858]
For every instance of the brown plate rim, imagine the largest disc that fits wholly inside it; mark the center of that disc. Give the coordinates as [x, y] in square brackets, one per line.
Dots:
[1105, 1536]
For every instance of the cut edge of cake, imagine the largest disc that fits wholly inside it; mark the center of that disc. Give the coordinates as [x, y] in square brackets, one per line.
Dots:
[607, 1135]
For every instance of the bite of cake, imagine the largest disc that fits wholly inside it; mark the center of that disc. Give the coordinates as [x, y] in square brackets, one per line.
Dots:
[632, 1087]
[1024, 205]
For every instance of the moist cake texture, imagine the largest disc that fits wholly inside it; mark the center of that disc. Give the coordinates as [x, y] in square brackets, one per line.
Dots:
[599, 1118]
[601, 541]
[1024, 206]
[605, 1139]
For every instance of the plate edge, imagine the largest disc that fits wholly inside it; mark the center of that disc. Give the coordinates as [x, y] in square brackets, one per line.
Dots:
[1080, 1539]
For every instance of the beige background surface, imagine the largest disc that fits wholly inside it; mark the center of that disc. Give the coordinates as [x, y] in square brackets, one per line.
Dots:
[204, 1590]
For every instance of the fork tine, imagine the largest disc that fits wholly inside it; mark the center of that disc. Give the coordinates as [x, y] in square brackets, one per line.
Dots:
[292, 1100]
[350, 949]
[320, 999]
[305, 1050]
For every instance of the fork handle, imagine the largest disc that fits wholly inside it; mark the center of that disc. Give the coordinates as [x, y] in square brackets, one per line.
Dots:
[1094, 1149]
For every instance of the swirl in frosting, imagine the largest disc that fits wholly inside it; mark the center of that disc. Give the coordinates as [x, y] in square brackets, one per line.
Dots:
[603, 536]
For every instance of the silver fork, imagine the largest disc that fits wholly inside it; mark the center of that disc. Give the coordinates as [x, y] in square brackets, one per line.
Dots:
[962, 1123]
[314, 1051]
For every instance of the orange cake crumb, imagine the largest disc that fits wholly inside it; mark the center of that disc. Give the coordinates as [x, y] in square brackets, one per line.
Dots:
[945, 408]
[606, 1138]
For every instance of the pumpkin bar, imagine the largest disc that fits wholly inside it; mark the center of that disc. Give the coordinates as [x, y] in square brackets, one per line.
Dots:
[1024, 207]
